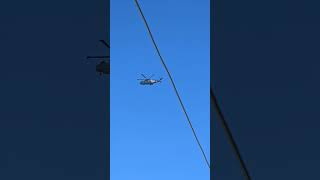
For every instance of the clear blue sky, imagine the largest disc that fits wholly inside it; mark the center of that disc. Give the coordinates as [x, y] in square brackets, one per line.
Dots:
[150, 137]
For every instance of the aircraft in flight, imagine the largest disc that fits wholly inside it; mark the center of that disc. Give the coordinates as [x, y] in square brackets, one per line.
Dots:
[104, 66]
[149, 81]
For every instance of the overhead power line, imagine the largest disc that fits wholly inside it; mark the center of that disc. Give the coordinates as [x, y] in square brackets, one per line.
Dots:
[229, 136]
[172, 82]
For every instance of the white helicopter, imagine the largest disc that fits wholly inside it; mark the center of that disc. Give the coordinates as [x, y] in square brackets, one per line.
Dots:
[148, 81]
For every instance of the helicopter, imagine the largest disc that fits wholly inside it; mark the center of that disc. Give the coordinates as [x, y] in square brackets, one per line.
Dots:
[104, 66]
[149, 81]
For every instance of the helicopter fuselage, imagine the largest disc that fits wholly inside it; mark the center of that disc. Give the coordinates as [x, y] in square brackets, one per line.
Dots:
[148, 82]
[103, 67]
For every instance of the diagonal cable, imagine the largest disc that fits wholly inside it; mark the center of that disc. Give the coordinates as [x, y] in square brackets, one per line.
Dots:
[172, 82]
[230, 137]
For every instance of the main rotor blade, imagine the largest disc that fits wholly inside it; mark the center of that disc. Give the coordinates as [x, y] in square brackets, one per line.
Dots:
[97, 57]
[104, 42]
[151, 76]
[144, 76]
